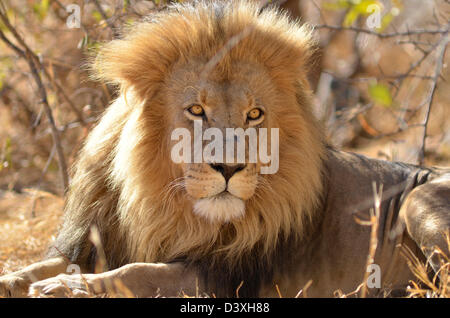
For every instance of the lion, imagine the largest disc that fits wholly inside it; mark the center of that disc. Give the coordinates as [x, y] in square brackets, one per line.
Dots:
[157, 227]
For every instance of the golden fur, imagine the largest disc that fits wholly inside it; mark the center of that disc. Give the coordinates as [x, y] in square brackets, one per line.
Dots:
[129, 152]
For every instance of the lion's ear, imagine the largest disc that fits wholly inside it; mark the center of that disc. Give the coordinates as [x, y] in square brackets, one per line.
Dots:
[134, 61]
[111, 64]
[118, 63]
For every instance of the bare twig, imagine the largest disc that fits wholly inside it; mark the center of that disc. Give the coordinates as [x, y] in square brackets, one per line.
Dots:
[38, 65]
[26, 53]
[374, 223]
[105, 17]
[59, 88]
[397, 80]
[430, 98]
[380, 35]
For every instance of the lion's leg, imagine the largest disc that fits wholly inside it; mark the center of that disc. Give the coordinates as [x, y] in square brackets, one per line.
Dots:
[426, 213]
[16, 284]
[136, 280]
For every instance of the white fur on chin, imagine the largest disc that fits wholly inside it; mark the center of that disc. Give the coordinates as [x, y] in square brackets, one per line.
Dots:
[220, 208]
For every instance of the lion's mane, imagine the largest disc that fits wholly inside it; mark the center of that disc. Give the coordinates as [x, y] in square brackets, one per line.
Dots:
[123, 180]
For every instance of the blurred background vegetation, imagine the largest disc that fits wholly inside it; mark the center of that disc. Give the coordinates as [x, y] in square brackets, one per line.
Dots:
[380, 76]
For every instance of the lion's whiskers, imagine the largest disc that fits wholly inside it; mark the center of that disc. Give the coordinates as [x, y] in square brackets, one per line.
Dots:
[171, 189]
[265, 186]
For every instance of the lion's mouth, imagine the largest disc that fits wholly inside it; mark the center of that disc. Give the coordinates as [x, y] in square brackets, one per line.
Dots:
[222, 207]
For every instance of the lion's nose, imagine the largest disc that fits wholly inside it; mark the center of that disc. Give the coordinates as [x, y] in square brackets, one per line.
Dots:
[227, 170]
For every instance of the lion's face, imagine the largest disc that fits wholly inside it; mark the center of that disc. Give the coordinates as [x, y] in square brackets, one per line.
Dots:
[243, 99]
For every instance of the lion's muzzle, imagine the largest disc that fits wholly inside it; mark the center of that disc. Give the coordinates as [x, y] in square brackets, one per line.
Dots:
[220, 190]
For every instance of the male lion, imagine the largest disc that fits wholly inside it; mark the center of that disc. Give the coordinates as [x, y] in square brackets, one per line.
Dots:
[223, 229]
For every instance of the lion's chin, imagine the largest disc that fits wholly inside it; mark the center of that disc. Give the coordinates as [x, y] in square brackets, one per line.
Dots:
[223, 207]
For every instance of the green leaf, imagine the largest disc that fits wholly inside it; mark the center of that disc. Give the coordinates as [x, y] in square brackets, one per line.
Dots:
[350, 17]
[12, 17]
[97, 16]
[3, 27]
[83, 42]
[334, 6]
[93, 45]
[363, 6]
[41, 9]
[380, 94]
[126, 4]
[385, 21]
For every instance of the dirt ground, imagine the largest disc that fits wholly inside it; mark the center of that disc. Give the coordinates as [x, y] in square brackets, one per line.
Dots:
[28, 224]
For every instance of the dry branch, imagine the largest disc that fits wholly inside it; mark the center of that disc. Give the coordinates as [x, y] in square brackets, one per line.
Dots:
[439, 63]
[381, 35]
[397, 80]
[27, 54]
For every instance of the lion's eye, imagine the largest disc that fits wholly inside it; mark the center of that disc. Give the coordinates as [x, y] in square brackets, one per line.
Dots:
[196, 110]
[254, 114]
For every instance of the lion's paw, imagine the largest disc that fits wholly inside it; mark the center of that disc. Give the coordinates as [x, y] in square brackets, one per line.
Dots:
[60, 286]
[12, 286]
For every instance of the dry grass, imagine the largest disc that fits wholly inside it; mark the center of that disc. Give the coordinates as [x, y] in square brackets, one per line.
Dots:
[430, 284]
[28, 223]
